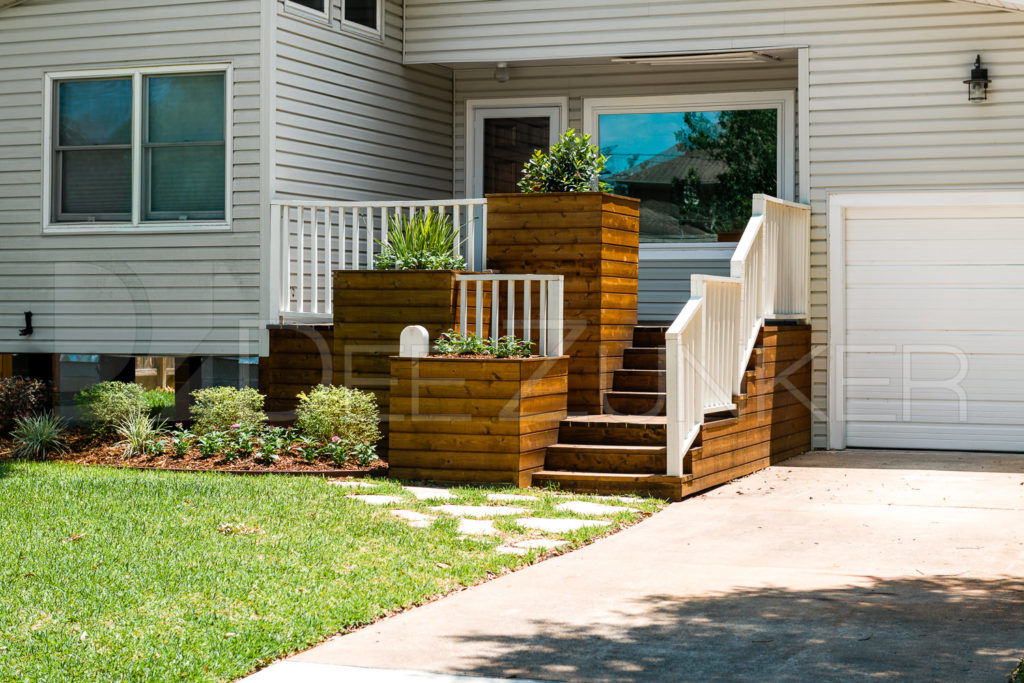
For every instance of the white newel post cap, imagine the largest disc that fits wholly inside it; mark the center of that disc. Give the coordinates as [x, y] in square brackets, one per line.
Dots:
[414, 342]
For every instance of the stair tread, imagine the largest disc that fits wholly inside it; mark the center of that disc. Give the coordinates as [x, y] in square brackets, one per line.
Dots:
[612, 476]
[612, 419]
[630, 392]
[639, 371]
[653, 450]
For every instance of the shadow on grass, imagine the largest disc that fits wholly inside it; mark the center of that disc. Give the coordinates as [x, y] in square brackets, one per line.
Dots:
[927, 629]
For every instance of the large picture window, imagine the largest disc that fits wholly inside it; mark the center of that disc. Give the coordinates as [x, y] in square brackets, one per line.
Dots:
[695, 162]
[139, 148]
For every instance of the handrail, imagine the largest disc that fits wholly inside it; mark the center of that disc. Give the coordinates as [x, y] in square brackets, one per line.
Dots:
[550, 307]
[316, 237]
[708, 346]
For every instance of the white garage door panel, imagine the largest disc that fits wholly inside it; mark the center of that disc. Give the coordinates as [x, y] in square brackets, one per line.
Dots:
[934, 327]
[931, 411]
[939, 437]
[898, 274]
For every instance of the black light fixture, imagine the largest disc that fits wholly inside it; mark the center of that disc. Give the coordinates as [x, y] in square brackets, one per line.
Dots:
[977, 84]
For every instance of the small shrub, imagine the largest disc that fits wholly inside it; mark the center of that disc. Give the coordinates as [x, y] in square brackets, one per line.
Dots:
[275, 441]
[23, 397]
[336, 451]
[108, 404]
[571, 165]
[308, 448]
[221, 407]
[181, 441]
[469, 344]
[141, 434]
[210, 444]
[1017, 675]
[348, 414]
[37, 435]
[240, 442]
[364, 454]
[423, 241]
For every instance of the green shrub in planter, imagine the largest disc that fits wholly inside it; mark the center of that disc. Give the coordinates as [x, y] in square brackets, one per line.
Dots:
[23, 397]
[328, 411]
[108, 404]
[423, 241]
[223, 407]
[141, 434]
[571, 165]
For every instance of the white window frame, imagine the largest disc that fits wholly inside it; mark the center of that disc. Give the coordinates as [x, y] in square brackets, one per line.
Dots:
[555, 108]
[783, 101]
[136, 224]
[360, 28]
[309, 12]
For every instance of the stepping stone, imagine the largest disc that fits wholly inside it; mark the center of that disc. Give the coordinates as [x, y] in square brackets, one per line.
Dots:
[349, 484]
[540, 543]
[477, 527]
[371, 499]
[478, 510]
[510, 498]
[511, 550]
[558, 526]
[581, 507]
[428, 493]
[627, 499]
[413, 518]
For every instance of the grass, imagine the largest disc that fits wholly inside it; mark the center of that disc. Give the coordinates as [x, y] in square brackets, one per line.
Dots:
[125, 575]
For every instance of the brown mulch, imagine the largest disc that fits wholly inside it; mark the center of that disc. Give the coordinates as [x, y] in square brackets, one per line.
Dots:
[86, 448]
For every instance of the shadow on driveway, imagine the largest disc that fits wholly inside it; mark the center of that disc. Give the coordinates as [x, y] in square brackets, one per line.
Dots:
[927, 629]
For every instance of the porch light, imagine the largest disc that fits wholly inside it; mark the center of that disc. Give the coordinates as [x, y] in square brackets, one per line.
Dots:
[977, 84]
[501, 72]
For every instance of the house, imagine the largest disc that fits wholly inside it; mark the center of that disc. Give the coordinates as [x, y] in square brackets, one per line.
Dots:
[143, 145]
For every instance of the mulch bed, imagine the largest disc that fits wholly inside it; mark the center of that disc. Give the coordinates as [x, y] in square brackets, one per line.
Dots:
[86, 448]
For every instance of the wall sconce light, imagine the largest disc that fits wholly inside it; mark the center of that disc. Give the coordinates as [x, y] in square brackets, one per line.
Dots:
[977, 84]
[501, 72]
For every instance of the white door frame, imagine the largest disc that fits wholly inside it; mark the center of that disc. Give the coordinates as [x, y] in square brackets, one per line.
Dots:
[555, 108]
[838, 203]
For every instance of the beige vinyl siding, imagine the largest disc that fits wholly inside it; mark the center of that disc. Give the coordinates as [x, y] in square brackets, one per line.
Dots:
[161, 294]
[887, 109]
[354, 123]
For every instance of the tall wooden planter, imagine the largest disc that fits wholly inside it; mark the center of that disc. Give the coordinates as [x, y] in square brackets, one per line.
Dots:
[593, 240]
[474, 420]
[372, 307]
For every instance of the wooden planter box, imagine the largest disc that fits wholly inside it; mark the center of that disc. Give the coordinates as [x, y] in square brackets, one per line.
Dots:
[474, 420]
[371, 308]
[593, 240]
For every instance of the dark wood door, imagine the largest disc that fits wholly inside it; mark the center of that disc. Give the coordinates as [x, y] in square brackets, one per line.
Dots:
[508, 144]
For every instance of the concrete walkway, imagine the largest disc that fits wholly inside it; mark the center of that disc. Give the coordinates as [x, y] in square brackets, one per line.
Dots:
[832, 566]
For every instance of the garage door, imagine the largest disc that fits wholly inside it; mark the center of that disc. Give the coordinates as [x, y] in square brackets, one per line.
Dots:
[934, 326]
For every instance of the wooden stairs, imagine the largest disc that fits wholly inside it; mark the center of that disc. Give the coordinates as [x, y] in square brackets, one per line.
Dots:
[622, 451]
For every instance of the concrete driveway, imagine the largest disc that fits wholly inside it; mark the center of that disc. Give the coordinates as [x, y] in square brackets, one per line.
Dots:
[831, 566]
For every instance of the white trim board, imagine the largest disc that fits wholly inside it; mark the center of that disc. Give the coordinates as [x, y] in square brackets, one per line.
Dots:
[555, 108]
[838, 204]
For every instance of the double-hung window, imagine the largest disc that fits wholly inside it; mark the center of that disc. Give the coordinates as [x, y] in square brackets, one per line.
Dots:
[139, 148]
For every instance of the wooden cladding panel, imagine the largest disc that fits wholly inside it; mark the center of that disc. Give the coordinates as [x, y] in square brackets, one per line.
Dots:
[300, 357]
[592, 240]
[471, 420]
[6, 365]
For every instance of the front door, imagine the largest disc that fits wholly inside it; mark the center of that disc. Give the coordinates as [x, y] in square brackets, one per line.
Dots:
[502, 137]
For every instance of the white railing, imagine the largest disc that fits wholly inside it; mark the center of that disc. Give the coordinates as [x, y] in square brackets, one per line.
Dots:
[542, 324]
[315, 238]
[708, 346]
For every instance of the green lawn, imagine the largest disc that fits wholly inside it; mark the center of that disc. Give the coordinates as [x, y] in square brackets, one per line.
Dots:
[112, 575]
